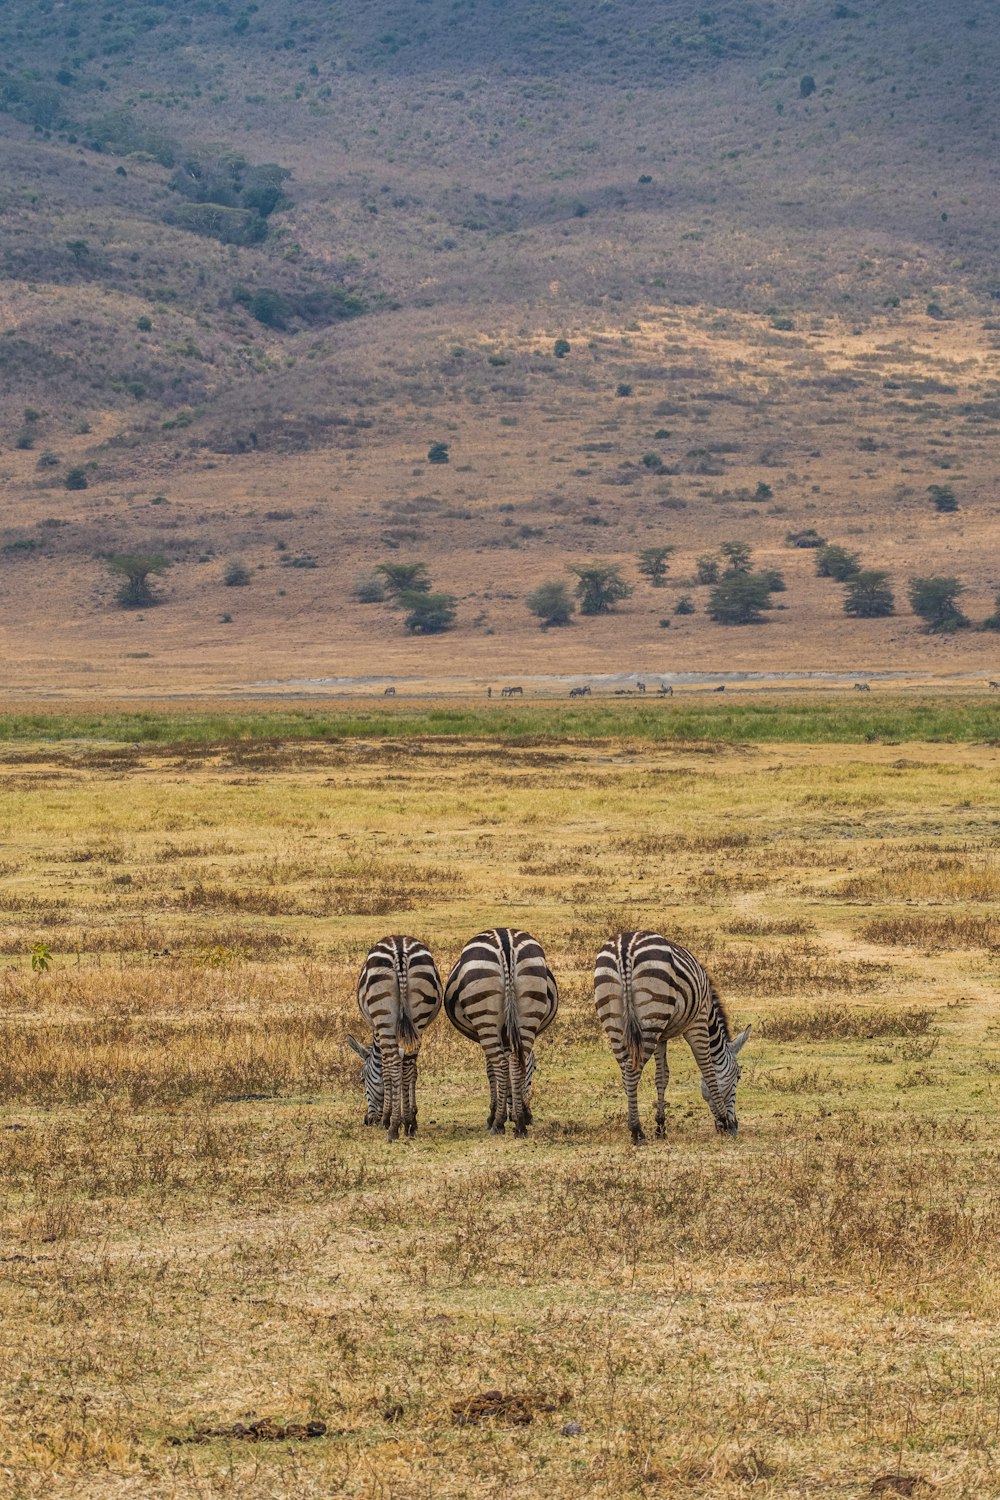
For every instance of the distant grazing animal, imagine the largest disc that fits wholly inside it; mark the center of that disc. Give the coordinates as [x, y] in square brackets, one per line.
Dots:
[623, 692]
[640, 687]
[647, 990]
[580, 692]
[721, 689]
[995, 687]
[399, 994]
[502, 994]
[665, 690]
[862, 687]
[390, 692]
[489, 692]
[512, 692]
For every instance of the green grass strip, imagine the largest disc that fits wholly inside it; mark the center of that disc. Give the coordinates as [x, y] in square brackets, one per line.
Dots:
[787, 720]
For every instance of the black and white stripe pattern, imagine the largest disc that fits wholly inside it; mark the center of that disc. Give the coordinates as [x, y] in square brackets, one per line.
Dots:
[648, 989]
[399, 994]
[502, 994]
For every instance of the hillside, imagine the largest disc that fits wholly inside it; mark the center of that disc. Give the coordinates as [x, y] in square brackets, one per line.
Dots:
[256, 259]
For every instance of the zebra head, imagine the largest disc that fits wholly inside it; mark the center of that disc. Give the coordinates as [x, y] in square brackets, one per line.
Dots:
[371, 1077]
[721, 1099]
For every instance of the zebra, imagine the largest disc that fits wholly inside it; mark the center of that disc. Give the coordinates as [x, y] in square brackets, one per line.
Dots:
[665, 690]
[399, 994]
[648, 989]
[862, 687]
[994, 686]
[512, 692]
[640, 687]
[502, 994]
[390, 692]
[580, 692]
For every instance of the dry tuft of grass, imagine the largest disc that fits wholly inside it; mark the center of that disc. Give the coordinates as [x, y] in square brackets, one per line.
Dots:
[833, 1023]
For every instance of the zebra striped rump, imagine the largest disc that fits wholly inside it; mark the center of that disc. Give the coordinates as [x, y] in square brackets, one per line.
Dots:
[648, 989]
[399, 994]
[502, 995]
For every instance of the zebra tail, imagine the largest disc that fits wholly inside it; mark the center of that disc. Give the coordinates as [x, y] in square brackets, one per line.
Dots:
[633, 1031]
[406, 1035]
[510, 1032]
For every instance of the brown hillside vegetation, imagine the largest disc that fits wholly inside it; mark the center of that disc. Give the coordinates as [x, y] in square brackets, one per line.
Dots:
[256, 260]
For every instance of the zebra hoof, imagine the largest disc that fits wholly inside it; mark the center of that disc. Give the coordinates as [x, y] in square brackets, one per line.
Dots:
[638, 1136]
[498, 1129]
[661, 1131]
[411, 1129]
[521, 1132]
[392, 1134]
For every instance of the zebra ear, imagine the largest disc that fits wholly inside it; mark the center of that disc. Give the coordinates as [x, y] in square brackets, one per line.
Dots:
[740, 1041]
[356, 1046]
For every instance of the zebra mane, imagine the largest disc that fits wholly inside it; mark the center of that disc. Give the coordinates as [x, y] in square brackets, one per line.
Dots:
[720, 1010]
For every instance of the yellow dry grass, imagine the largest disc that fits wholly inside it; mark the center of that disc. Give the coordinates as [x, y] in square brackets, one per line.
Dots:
[197, 1231]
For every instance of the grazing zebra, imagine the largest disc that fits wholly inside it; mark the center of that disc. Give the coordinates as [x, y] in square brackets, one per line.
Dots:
[580, 692]
[640, 687]
[862, 687]
[994, 687]
[399, 994]
[665, 690]
[647, 990]
[502, 994]
[390, 692]
[512, 692]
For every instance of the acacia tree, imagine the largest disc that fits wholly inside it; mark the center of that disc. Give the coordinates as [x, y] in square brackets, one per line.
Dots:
[653, 564]
[740, 598]
[551, 603]
[738, 556]
[599, 587]
[868, 595]
[427, 613]
[405, 578]
[934, 600]
[836, 562]
[135, 568]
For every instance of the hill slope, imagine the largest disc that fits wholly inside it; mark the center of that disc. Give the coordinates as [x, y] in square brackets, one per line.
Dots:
[255, 259]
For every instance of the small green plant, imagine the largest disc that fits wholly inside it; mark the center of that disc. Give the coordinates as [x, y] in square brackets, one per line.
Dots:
[868, 596]
[933, 599]
[41, 958]
[623, 388]
[561, 348]
[740, 598]
[437, 453]
[738, 555]
[76, 478]
[836, 562]
[237, 574]
[370, 590]
[684, 605]
[943, 497]
[135, 568]
[706, 569]
[405, 578]
[144, 324]
[599, 587]
[653, 564]
[551, 603]
[428, 614]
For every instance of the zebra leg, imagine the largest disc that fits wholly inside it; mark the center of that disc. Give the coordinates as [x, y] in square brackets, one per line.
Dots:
[630, 1081]
[662, 1079]
[516, 1079]
[499, 1079]
[410, 1095]
[393, 1112]
[491, 1080]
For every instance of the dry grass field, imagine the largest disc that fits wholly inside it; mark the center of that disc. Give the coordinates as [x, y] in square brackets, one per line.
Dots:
[197, 1233]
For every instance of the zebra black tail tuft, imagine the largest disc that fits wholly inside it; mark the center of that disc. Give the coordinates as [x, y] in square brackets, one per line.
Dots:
[406, 1037]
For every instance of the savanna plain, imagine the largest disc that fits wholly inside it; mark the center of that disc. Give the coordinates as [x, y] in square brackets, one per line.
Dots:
[199, 1235]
